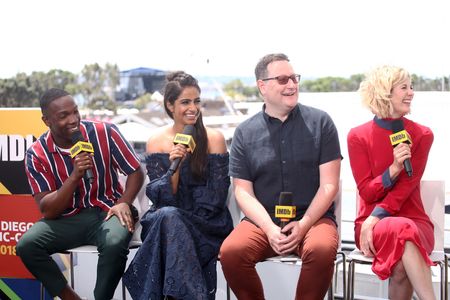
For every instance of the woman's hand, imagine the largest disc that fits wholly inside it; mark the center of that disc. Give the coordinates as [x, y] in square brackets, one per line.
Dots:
[400, 153]
[178, 151]
[366, 236]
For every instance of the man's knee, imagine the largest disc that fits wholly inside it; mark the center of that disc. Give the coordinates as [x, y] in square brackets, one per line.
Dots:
[227, 250]
[21, 248]
[115, 241]
[231, 253]
[320, 254]
[25, 246]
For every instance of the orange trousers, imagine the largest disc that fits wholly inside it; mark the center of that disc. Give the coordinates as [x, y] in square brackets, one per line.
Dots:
[247, 245]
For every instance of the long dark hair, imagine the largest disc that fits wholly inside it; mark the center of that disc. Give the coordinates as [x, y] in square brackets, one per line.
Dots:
[176, 83]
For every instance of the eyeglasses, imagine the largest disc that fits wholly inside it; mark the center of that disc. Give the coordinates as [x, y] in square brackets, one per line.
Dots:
[284, 79]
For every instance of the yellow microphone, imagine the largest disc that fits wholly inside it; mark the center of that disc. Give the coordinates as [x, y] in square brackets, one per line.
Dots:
[285, 211]
[400, 135]
[82, 146]
[186, 139]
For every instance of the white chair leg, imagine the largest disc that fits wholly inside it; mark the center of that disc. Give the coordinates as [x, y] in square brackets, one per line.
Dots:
[351, 278]
[344, 278]
[442, 266]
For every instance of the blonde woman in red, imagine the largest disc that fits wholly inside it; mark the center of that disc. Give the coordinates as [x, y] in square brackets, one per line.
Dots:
[391, 225]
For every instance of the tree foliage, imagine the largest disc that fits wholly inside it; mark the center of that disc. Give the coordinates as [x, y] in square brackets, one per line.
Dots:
[236, 89]
[330, 84]
[142, 101]
[427, 84]
[24, 91]
[97, 86]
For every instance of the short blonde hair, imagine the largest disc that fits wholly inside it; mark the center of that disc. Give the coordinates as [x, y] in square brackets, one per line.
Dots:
[376, 89]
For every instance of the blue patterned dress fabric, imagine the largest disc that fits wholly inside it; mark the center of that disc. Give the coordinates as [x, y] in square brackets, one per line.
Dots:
[181, 233]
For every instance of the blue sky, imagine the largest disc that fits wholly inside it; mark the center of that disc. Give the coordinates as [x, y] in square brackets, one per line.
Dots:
[216, 37]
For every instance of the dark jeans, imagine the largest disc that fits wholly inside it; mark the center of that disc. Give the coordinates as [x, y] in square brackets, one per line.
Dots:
[88, 227]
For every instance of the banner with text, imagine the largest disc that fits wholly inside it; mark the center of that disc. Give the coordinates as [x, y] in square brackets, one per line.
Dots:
[19, 128]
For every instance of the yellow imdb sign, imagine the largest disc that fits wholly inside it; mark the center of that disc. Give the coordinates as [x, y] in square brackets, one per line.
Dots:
[19, 128]
[285, 212]
[79, 147]
[185, 139]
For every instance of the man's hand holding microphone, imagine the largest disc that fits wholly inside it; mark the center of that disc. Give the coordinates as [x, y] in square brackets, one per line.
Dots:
[291, 231]
[82, 152]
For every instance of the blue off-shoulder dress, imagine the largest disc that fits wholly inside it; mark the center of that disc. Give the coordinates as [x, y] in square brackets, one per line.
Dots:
[181, 233]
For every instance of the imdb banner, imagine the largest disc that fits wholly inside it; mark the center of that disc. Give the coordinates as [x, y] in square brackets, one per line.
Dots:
[19, 128]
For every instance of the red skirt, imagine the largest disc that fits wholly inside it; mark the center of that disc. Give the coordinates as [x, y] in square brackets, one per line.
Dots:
[389, 237]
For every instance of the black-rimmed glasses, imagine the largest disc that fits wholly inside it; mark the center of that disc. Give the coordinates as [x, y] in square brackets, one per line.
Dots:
[284, 79]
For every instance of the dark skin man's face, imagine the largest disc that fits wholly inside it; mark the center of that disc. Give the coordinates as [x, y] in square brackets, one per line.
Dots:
[63, 118]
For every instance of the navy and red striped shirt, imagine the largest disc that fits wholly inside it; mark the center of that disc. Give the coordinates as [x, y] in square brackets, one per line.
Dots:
[48, 166]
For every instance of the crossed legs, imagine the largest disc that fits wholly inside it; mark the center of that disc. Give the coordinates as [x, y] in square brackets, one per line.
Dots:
[411, 273]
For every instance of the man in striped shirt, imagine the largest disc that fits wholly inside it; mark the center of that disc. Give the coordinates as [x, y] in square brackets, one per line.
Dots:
[75, 210]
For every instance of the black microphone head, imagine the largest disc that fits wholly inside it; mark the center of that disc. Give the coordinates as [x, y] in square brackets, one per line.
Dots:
[188, 129]
[285, 199]
[77, 137]
[397, 125]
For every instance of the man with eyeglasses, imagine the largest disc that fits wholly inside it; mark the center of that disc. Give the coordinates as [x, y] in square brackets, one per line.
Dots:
[287, 147]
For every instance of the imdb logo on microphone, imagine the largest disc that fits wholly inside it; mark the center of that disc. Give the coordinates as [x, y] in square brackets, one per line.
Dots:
[185, 139]
[400, 137]
[81, 147]
[285, 212]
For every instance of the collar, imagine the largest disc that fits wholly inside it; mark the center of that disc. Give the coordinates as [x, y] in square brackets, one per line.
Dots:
[52, 147]
[386, 123]
[292, 114]
[50, 142]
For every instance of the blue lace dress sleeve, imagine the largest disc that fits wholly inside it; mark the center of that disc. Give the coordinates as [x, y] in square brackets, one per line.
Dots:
[159, 190]
[182, 232]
